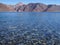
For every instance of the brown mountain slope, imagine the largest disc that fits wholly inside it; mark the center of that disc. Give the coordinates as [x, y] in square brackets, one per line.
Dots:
[54, 8]
[4, 7]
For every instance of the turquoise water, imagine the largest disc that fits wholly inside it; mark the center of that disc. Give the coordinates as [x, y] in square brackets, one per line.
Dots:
[21, 28]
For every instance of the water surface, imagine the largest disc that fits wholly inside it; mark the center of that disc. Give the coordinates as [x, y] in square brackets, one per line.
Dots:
[29, 26]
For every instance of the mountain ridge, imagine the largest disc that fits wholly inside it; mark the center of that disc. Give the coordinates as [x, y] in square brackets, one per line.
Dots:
[31, 7]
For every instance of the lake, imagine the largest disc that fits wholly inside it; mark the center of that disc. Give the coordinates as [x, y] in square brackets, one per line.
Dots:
[29, 28]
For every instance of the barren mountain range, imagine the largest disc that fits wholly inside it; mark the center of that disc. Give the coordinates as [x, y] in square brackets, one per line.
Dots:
[31, 7]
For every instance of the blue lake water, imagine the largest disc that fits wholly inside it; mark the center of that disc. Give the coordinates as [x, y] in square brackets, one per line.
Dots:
[30, 25]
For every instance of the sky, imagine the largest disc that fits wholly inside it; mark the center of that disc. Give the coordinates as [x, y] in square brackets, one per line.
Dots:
[13, 2]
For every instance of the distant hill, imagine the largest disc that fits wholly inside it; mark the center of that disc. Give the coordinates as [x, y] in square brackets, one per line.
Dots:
[31, 7]
[4, 7]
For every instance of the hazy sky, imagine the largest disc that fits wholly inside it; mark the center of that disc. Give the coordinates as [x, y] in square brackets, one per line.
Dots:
[29, 1]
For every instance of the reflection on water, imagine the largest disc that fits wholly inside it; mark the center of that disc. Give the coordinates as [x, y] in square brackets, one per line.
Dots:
[30, 28]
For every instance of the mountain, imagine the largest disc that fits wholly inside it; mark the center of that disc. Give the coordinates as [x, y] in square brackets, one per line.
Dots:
[4, 8]
[53, 8]
[31, 7]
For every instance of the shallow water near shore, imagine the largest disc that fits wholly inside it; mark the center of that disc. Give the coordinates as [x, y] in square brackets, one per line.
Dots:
[29, 28]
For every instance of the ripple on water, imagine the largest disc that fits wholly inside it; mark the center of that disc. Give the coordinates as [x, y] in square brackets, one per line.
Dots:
[29, 30]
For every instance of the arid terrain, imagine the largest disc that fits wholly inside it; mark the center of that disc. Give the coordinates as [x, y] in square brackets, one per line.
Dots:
[31, 7]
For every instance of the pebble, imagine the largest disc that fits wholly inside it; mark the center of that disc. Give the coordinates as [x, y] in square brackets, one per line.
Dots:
[29, 36]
